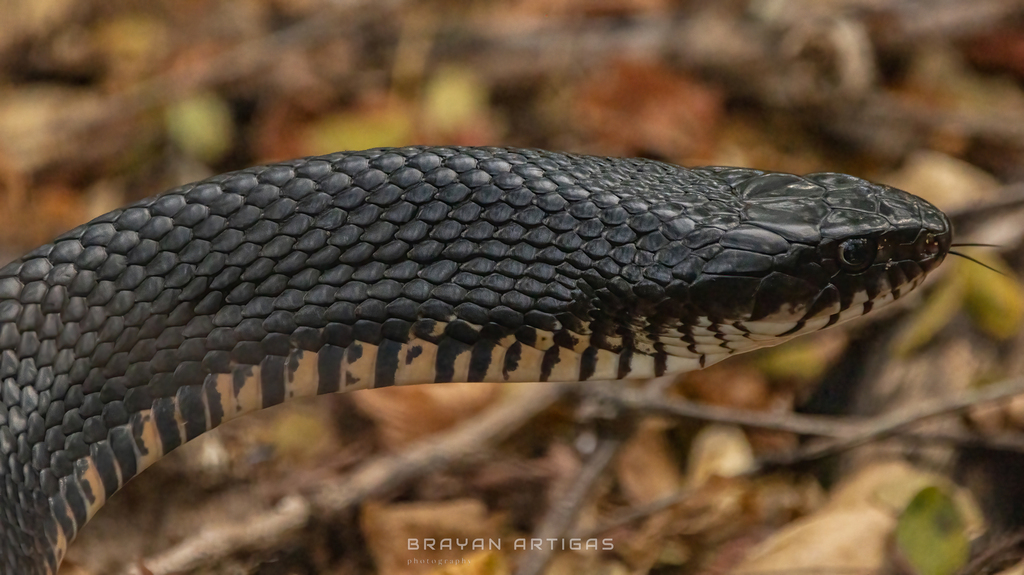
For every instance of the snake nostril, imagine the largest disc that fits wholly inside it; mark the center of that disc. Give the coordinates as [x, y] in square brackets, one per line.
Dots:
[930, 246]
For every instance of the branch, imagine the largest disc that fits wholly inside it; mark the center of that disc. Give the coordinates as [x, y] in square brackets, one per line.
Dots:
[846, 433]
[636, 513]
[889, 424]
[644, 401]
[264, 531]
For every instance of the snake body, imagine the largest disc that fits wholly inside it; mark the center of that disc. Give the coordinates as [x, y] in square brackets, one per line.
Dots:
[142, 329]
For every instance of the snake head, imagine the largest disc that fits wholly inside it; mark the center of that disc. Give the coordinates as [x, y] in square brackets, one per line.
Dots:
[807, 252]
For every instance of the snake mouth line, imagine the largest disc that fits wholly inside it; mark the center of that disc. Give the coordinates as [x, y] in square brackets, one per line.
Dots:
[821, 321]
[706, 337]
[768, 330]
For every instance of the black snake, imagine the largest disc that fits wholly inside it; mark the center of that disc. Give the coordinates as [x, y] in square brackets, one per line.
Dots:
[136, 332]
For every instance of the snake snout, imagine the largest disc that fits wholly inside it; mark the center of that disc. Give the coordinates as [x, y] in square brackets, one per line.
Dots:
[932, 245]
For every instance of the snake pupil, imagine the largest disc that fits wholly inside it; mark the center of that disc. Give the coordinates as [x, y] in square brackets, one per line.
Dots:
[857, 254]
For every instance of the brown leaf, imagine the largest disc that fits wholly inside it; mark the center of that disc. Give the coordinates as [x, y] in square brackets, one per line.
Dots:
[405, 414]
[1000, 49]
[547, 10]
[646, 468]
[946, 181]
[719, 451]
[54, 208]
[730, 386]
[837, 541]
[634, 107]
[414, 538]
[852, 532]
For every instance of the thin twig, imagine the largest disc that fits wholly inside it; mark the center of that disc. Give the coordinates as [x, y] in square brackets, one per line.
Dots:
[999, 549]
[1006, 441]
[211, 544]
[1009, 442]
[562, 514]
[846, 433]
[644, 401]
[889, 424]
[632, 514]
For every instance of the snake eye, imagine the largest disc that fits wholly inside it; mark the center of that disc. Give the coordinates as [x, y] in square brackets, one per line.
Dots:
[857, 254]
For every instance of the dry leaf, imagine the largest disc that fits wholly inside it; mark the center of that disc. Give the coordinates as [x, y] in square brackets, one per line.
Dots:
[480, 563]
[998, 48]
[852, 540]
[719, 451]
[945, 181]
[589, 563]
[1015, 411]
[456, 108]
[416, 538]
[383, 121]
[26, 19]
[302, 435]
[27, 139]
[804, 359]
[406, 414]
[636, 107]
[55, 208]
[646, 468]
[853, 530]
[132, 44]
[988, 418]
[736, 386]
[1003, 416]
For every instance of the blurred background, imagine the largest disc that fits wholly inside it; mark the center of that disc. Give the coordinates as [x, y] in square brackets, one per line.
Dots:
[106, 101]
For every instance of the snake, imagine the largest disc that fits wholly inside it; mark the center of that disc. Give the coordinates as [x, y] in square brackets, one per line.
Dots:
[150, 325]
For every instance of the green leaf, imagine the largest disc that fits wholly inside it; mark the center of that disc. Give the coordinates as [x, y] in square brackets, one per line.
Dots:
[931, 535]
[938, 310]
[804, 359]
[389, 126]
[453, 98]
[995, 302]
[202, 126]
